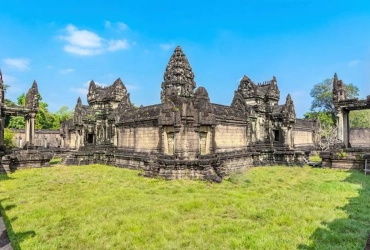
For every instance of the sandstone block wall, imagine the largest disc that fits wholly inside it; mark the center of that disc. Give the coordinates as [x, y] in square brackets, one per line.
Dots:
[359, 137]
[43, 138]
[140, 139]
[147, 139]
[302, 138]
[229, 138]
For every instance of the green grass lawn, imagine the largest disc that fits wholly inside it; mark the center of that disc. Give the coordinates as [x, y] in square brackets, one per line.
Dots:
[102, 207]
[315, 158]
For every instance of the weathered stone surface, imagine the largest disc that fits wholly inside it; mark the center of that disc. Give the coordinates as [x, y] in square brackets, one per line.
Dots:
[344, 154]
[30, 156]
[185, 136]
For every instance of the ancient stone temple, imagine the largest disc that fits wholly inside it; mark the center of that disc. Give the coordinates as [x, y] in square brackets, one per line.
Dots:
[29, 155]
[186, 135]
[344, 155]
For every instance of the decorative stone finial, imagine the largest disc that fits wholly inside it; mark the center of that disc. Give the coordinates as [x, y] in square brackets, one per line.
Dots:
[34, 84]
[339, 90]
[178, 76]
[1, 76]
[79, 100]
[32, 97]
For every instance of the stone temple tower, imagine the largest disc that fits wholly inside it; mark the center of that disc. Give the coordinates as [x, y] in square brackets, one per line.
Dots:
[339, 90]
[178, 77]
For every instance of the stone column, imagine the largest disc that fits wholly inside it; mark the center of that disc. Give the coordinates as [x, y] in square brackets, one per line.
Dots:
[2, 133]
[83, 137]
[340, 124]
[32, 128]
[346, 128]
[27, 129]
[116, 139]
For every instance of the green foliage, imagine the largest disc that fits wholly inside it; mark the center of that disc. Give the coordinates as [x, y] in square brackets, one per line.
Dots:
[359, 119]
[315, 158]
[325, 118]
[16, 122]
[60, 115]
[341, 153]
[323, 96]
[322, 104]
[21, 100]
[8, 138]
[277, 208]
[44, 118]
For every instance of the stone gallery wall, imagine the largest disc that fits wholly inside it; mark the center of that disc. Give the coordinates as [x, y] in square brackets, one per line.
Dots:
[359, 137]
[229, 138]
[140, 139]
[302, 138]
[43, 138]
[304, 133]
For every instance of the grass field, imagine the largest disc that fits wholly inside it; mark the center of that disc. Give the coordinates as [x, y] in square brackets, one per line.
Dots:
[315, 158]
[101, 207]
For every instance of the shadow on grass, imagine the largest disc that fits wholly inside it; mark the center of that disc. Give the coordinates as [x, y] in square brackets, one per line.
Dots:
[15, 238]
[351, 232]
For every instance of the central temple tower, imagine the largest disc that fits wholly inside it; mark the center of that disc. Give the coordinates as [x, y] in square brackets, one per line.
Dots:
[178, 77]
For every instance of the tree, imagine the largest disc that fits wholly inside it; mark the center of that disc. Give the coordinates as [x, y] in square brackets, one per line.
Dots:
[44, 119]
[323, 96]
[60, 115]
[359, 119]
[16, 122]
[322, 106]
[8, 138]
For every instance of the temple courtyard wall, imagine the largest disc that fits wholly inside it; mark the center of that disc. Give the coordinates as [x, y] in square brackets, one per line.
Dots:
[359, 137]
[43, 138]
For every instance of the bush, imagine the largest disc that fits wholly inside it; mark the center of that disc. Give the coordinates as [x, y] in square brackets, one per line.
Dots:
[8, 138]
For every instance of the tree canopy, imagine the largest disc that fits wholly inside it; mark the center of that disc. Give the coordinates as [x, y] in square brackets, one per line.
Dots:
[322, 94]
[322, 106]
[44, 118]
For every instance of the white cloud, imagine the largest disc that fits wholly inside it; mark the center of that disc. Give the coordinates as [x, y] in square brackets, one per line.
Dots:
[107, 24]
[118, 26]
[82, 51]
[353, 63]
[82, 38]
[167, 46]
[122, 26]
[87, 43]
[18, 63]
[66, 71]
[114, 45]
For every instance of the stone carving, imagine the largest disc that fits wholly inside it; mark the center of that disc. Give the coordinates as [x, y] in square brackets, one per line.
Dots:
[32, 97]
[12, 160]
[185, 135]
[179, 76]
[339, 91]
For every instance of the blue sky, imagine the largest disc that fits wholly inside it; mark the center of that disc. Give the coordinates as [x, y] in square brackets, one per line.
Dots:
[65, 44]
